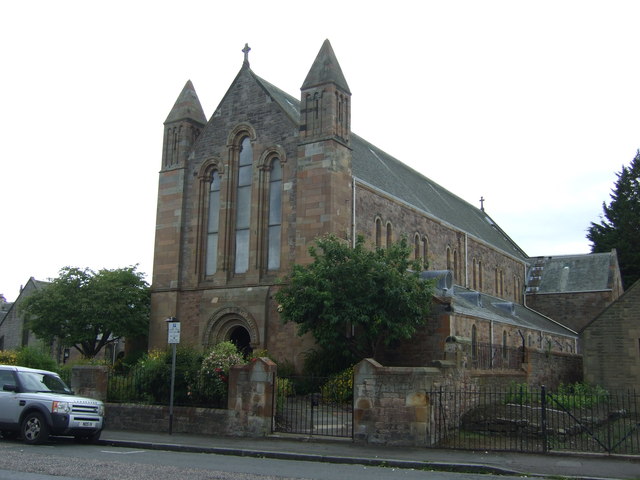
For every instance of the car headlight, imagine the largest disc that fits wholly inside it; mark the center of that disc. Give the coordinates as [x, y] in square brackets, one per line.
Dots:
[101, 410]
[60, 407]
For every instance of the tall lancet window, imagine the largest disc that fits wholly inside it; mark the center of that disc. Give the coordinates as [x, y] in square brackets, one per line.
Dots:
[275, 215]
[243, 206]
[213, 221]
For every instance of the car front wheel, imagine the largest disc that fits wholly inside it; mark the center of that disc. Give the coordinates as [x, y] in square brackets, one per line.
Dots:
[34, 429]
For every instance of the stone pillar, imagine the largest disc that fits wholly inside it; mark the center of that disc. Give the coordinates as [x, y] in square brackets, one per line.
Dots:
[391, 405]
[90, 381]
[251, 389]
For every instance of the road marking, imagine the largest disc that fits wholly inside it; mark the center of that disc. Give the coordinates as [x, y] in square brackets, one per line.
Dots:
[122, 453]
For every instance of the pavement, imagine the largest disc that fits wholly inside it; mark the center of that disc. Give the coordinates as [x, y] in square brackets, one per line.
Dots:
[344, 451]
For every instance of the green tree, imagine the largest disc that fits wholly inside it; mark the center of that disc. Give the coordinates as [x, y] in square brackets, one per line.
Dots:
[619, 227]
[356, 301]
[87, 310]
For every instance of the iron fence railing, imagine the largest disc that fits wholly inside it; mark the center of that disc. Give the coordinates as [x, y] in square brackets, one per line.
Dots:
[535, 420]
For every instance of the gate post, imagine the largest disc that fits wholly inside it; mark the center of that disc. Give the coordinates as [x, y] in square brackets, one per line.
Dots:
[251, 395]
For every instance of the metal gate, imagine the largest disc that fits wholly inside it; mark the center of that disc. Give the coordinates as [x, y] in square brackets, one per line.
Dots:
[312, 406]
[535, 420]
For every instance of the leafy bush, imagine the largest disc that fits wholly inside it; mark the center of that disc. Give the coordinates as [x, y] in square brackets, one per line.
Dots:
[579, 395]
[284, 387]
[339, 387]
[214, 373]
[35, 358]
[8, 357]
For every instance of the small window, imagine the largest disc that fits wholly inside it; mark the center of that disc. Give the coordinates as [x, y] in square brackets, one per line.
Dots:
[389, 235]
[425, 249]
[504, 344]
[474, 342]
[378, 233]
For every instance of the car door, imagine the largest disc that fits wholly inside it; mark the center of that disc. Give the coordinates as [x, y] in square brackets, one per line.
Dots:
[9, 407]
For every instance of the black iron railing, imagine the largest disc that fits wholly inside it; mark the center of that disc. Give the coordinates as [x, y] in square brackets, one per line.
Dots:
[535, 420]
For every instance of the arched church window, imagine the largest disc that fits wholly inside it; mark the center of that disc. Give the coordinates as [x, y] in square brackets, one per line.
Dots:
[449, 263]
[275, 215]
[474, 342]
[389, 234]
[425, 249]
[504, 344]
[475, 273]
[213, 224]
[378, 233]
[243, 205]
[416, 246]
[456, 267]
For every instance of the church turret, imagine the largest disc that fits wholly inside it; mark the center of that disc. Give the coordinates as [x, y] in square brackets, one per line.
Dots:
[326, 100]
[182, 127]
[324, 155]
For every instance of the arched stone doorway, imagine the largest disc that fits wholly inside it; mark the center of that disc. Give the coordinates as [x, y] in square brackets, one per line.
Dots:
[240, 337]
[235, 325]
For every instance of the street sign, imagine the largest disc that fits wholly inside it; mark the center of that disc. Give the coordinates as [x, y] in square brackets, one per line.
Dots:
[174, 332]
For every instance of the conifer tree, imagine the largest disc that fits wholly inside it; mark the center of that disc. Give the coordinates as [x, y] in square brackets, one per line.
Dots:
[619, 227]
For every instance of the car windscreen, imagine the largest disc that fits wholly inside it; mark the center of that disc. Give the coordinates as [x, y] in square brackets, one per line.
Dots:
[42, 382]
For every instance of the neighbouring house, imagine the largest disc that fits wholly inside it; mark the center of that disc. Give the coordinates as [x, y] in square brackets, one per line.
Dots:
[244, 194]
[611, 344]
[573, 289]
[14, 332]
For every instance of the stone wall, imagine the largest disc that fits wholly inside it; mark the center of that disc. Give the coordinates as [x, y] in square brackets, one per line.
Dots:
[90, 381]
[575, 310]
[552, 368]
[249, 412]
[391, 404]
[611, 344]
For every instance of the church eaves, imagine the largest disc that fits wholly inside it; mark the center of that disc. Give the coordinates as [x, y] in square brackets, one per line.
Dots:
[187, 106]
[326, 69]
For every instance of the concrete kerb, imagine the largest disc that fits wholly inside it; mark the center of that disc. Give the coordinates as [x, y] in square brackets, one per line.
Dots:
[309, 457]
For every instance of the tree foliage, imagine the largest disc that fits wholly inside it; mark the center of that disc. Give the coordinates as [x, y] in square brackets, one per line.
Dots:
[87, 310]
[619, 227]
[356, 301]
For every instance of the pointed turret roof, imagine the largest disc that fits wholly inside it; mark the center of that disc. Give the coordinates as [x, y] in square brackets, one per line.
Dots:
[187, 106]
[326, 69]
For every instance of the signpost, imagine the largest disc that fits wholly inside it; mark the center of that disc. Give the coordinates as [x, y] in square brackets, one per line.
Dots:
[173, 339]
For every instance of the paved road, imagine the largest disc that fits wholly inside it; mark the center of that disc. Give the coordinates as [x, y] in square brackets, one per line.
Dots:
[64, 460]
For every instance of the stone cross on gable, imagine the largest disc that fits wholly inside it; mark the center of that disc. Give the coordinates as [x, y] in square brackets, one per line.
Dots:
[482, 203]
[246, 51]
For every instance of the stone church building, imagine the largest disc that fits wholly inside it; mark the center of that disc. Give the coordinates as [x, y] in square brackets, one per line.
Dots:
[244, 194]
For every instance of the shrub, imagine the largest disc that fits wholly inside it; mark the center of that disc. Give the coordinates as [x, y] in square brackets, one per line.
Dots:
[35, 358]
[214, 373]
[339, 387]
[8, 357]
[579, 395]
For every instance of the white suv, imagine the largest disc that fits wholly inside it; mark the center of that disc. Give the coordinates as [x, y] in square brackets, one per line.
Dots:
[37, 403]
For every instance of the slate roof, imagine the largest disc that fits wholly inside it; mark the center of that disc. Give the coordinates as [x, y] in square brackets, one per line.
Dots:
[382, 171]
[480, 305]
[571, 273]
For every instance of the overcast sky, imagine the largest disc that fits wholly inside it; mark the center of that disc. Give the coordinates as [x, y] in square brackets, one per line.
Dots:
[532, 105]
